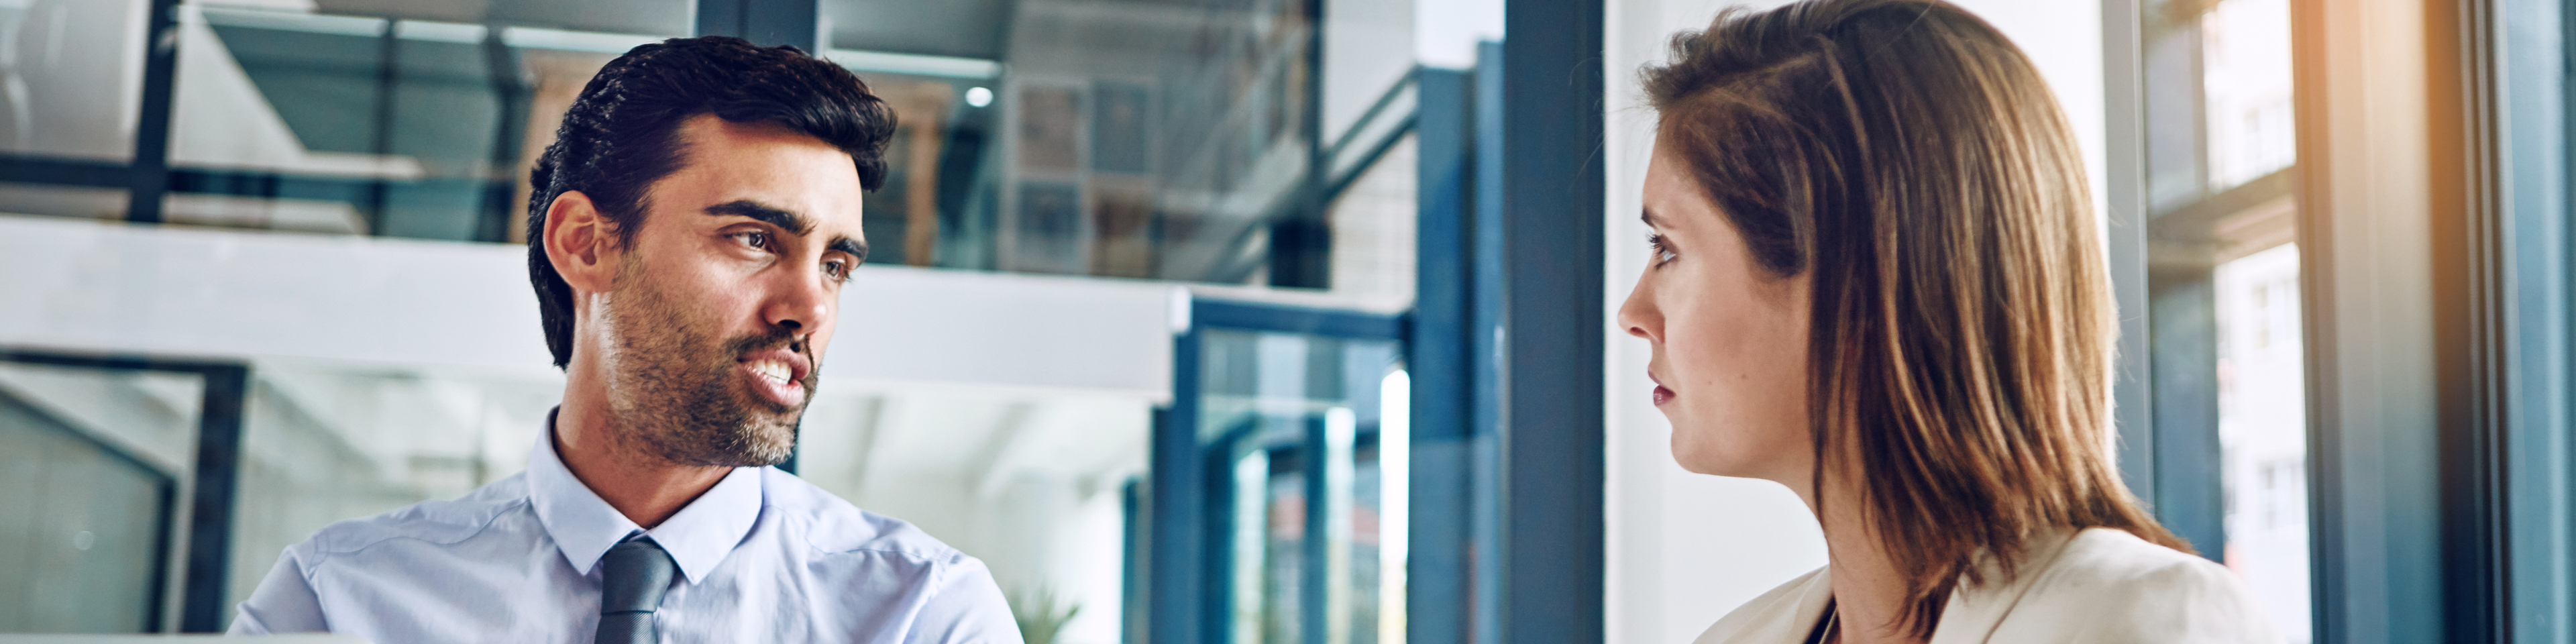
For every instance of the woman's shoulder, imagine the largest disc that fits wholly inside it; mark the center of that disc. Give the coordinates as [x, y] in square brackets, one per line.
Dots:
[1782, 614]
[2116, 559]
[2108, 585]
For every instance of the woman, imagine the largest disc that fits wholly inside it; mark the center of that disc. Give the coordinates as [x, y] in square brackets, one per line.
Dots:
[1877, 280]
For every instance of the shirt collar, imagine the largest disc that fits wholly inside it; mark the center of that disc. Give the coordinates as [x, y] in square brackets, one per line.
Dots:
[583, 526]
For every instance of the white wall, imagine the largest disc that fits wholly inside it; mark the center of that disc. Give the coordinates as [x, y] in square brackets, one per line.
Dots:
[1684, 548]
[83, 285]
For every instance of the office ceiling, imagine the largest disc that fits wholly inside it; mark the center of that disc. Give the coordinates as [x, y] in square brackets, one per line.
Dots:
[965, 28]
[643, 17]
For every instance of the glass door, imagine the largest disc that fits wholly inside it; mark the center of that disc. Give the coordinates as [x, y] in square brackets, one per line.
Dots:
[92, 459]
[1295, 424]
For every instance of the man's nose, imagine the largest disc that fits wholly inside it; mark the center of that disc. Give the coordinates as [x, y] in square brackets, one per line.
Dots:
[798, 301]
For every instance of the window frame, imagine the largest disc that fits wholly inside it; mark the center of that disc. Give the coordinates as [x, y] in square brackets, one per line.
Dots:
[213, 481]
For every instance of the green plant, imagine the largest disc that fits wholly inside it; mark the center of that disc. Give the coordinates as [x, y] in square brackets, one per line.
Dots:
[1038, 615]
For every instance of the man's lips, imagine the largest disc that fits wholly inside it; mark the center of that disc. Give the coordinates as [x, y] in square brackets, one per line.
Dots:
[794, 363]
[777, 374]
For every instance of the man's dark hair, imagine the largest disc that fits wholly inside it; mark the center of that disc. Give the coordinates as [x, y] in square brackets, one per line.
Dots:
[622, 135]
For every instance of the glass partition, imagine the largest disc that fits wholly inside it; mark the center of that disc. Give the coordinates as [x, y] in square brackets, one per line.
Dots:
[1309, 465]
[70, 73]
[1224, 142]
[414, 121]
[93, 461]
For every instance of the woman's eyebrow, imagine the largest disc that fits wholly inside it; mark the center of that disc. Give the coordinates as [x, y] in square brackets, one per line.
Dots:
[1648, 215]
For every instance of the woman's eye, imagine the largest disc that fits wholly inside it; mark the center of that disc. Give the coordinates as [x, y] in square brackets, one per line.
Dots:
[1662, 253]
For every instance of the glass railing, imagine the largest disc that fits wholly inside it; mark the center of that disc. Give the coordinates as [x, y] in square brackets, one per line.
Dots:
[1225, 143]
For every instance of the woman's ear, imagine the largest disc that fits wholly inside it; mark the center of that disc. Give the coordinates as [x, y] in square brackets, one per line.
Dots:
[581, 243]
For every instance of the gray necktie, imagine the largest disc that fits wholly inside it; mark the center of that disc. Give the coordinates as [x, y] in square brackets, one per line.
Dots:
[632, 578]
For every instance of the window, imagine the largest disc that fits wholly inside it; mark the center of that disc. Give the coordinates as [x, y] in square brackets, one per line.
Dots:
[2228, 363]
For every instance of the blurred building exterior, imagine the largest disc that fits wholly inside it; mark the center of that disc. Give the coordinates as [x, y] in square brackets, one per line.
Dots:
[1250, 320]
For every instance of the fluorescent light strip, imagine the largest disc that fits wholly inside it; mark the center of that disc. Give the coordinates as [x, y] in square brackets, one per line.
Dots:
[357, 26]
[289, 21]
[562, 40]
[439, 31]
[567, 40]
[915, 64]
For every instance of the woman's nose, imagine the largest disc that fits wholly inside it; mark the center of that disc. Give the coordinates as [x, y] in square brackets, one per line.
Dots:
[1638, 315]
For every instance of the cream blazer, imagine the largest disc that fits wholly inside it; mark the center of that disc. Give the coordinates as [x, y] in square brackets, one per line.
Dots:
[2099, 586]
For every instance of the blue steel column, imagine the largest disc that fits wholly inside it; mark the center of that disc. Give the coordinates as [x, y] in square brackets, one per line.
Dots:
[1551, 189]
[1314, 578]
[1489, 358]
[1173, 609]
[1436, 579]
[2531, 101]
[149, 176]
[212, 498]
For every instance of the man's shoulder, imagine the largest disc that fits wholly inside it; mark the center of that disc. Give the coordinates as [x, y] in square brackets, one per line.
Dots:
[436, 522]
[833, 526]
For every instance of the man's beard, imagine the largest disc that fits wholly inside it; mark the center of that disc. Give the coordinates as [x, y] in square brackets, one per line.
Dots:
[677, 395]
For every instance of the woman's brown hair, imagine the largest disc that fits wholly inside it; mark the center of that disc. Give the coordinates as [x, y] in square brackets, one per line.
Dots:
[1909, 159]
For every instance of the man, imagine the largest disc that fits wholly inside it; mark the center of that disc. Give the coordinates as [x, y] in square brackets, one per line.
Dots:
[692, 226]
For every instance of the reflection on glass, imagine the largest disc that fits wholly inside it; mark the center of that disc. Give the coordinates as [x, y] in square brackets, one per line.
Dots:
[1308, 435]
[2218, 106]
[1172, 143]
[2245, 67]
[409, 122]
[2262, 426]
[90, 462]
[69, 77]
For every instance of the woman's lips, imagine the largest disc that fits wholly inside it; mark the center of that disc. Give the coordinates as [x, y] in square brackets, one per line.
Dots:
[1662, 395]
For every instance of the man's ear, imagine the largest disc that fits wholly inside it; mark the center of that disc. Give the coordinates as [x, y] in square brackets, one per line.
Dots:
[581, 243]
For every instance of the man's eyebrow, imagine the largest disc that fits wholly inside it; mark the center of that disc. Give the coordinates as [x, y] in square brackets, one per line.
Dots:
[794, 222]
[857, 249]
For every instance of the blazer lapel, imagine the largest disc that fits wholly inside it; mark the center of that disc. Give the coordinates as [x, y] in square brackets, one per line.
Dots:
[1789, 622]
[1973, 613]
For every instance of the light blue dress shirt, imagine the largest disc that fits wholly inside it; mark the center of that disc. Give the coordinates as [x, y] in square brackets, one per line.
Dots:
[763, 557]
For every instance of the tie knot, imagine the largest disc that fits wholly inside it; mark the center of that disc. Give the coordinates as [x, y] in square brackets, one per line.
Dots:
[633, 576]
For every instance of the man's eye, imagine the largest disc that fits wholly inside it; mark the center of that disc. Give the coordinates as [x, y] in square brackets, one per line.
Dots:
[754, 239]
[839, 269]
